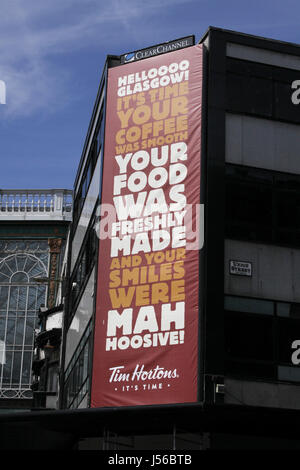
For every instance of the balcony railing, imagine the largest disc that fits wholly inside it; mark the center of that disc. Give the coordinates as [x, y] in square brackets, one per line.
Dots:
[36, 204]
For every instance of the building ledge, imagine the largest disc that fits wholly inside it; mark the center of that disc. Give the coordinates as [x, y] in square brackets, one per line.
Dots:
[195, 417]
[36, 204]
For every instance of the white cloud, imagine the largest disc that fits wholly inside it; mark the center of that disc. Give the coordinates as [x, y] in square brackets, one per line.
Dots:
[31, 89]
[33, 32]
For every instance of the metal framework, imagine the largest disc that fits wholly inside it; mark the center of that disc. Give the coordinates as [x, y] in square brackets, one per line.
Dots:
[20, 298]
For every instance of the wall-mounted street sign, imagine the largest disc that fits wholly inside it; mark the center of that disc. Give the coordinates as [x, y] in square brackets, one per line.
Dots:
[240, 268]
[158, 49]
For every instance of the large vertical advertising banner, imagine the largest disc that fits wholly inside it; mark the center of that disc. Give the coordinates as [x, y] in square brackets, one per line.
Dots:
[146, 343]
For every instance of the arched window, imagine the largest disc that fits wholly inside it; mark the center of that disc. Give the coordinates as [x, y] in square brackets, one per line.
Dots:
[20, 299]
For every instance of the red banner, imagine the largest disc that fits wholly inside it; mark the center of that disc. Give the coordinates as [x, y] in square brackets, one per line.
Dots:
[146, 327]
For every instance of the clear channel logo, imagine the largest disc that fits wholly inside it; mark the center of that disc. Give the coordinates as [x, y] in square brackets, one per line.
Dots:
[129, 57]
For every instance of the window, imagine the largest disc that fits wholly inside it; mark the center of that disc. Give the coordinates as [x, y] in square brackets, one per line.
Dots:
[100, 131]
[287, 203]
[84, 265]
[288, 331]
[95, 148]
[77, 373]
[262, 206]
[52, 379]
[249, 343]
[261, 90]
[20, 298]
[249, 337]
[258, 338]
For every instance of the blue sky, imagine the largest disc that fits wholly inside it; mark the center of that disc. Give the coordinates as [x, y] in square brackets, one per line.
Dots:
[52, 54]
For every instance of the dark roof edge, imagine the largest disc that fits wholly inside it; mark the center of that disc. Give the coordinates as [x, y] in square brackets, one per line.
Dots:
[248, 36]
[33, 415]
